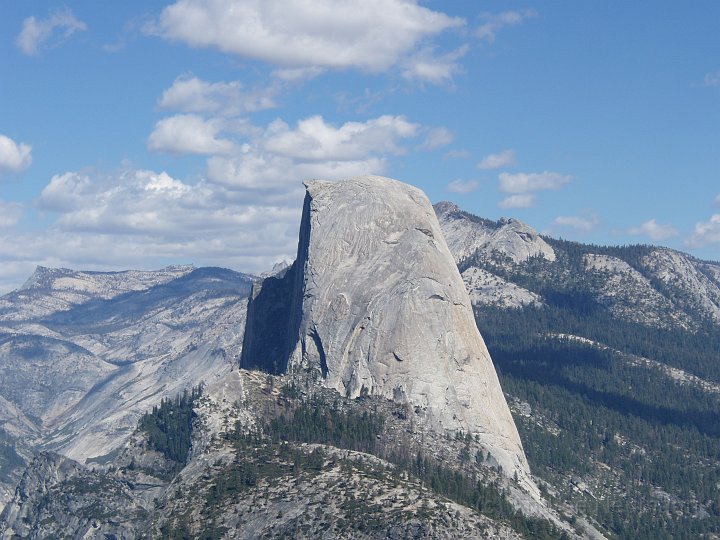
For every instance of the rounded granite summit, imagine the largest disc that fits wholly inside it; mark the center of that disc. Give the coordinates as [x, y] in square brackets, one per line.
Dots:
[378, 307]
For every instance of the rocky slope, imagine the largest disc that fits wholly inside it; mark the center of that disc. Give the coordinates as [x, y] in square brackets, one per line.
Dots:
[629, 295]
[507, 264]
[485, 288]
[468, 236]
[83, 355]
[239, 483]
[608, 356]
[377, 307]
[407, 434]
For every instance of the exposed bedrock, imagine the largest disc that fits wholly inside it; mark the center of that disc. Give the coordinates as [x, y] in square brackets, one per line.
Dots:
[374, 301]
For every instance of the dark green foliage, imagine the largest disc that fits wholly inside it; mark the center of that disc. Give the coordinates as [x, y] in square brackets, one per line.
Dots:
[648, 445]
[168, 532]
[487, 499]
[696, 352]
[313, 422]
[239, 477]
[570, 291]
[169, 426]
[489, 223]
[177, 532]
[321, 422]
[257, 461]
[657, 433]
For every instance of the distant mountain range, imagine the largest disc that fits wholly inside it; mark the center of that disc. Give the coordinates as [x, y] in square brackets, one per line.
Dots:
[507, 264]
[84, 354]
[609, 358]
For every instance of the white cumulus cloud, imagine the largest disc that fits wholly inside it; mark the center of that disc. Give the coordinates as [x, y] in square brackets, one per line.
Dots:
[65, 192]
[274, 159]
[188, 134]
[426, 65]
[319, 34]
[315, 139]
[193, 95]
[493, 23]
[506, 158]
[135, 202]
[141, 218]
[527, 182]
[37, 32]
[522, 200]
[579, 223]
[705, 233]
[14, 157]
[268, 175]
[654, 230]
[245, 212]
[463, 186]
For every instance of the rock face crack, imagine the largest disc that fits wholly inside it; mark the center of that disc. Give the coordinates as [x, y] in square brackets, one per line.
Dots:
[426, 232]
[320, 351]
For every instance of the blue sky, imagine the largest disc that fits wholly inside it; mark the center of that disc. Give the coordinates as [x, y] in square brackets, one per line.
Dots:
[140, 134]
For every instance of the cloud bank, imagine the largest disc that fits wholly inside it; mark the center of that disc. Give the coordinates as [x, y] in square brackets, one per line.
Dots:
[317, 34]
[654, 230]
[522, 187]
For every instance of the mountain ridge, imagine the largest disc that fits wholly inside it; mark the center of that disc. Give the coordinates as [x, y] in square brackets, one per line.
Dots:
[646, 274]
[601, 352]
[612, 378]
[83, 368]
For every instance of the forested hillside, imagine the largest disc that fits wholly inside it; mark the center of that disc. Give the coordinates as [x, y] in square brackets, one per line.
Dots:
[613, 376]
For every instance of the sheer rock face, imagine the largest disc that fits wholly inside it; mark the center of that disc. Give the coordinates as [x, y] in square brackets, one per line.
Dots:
[377, 304]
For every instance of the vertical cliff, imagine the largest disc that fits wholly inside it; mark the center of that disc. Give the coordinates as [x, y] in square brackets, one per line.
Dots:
[375, 303]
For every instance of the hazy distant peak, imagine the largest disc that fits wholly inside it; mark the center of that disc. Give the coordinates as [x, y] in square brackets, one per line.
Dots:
[468, 235]
[445, 207]
[43, 277]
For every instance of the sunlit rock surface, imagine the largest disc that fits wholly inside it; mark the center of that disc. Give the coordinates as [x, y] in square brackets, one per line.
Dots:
[377, 305]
